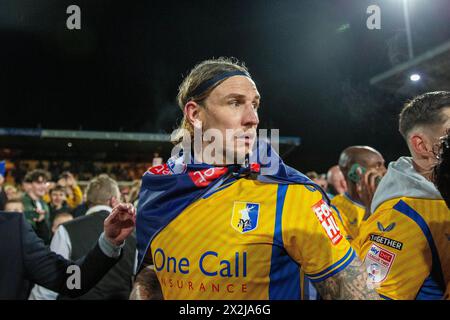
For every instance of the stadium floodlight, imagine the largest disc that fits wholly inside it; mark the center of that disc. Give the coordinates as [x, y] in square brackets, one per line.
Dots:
[415, 77]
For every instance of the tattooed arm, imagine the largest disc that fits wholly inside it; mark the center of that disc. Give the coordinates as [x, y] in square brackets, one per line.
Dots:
[146, 286]
[348, 284]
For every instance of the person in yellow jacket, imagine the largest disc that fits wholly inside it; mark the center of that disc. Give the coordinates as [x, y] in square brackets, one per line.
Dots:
[405, 243]
[74, 193]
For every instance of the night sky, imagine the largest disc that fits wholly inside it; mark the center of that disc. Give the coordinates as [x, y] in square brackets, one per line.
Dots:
[311, 60]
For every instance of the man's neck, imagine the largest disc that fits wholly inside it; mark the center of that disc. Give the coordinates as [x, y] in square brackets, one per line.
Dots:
[220, 161]
[422, 169]
[58, 206]
[351, 192]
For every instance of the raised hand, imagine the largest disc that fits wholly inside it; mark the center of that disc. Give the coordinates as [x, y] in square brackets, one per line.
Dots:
[120, 223]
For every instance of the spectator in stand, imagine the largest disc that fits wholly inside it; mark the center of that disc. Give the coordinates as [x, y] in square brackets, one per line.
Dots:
[11, 192]
[36, 209]
[50, 186]
[336, 181]
[133, 196]
[26, 185]
[312, 175]
[319, 179]
[73, 191]
[157, 160]
[58, 203]
[20, 171]
[14, 206]
[3, 196]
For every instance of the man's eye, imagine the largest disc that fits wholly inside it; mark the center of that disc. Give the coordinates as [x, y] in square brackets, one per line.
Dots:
[255, 105]
[234, 103]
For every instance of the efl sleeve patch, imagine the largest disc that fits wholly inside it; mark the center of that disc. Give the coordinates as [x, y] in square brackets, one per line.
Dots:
[326, 219]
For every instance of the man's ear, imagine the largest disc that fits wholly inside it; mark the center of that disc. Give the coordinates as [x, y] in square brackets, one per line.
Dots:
[344, 184]
[193, 113]
[114, 201]
[419, 144]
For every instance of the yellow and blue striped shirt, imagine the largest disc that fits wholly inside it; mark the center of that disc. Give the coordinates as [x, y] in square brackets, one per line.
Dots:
[249, 240]
[405, 246]
[351, 214]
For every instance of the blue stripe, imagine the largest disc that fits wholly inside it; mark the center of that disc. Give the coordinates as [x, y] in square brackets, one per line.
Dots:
[338, 213]
[338, 269]
[436, 270]
[334, 265]
[346, 195]
[430, 290]
[284, 272]
[384, 297]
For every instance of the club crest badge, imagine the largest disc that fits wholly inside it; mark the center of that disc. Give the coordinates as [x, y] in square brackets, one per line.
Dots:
[245, 216]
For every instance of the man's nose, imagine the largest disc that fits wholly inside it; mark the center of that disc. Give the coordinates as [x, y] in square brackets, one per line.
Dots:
[250, 116]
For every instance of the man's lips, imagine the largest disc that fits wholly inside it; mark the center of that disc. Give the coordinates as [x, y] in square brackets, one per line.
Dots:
[246, 136]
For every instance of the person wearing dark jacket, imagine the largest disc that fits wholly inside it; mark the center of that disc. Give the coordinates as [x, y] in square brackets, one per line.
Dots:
[25, 260]
[73, 239]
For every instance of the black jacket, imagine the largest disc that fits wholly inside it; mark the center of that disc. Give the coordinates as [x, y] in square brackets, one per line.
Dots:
[25, 261]
[117, 283]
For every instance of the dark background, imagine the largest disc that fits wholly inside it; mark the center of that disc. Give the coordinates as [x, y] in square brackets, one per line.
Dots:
[311, 60]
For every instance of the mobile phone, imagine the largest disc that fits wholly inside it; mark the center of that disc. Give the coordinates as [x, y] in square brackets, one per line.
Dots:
[353, 174]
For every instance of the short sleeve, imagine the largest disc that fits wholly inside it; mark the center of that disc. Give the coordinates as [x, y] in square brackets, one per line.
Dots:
[311, 234]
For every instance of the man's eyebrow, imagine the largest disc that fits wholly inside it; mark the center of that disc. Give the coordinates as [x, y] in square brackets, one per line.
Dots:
[238, 95]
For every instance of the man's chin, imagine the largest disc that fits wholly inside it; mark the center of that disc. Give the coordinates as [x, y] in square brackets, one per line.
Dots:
[237, 156]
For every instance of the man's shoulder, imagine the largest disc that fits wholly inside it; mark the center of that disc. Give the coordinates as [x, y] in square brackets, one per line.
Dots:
[305, 190]
[406, 215]
[338, 200]
[87, 219]
[10, 217]
[14, 226]
[410, 205]
[44, 204]
[26, 198]
[303, 197]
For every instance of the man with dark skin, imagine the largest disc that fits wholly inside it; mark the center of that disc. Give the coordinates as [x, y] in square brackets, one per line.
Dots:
[359, 164]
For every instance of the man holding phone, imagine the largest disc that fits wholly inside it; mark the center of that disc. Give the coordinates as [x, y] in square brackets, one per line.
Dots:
[358, 164]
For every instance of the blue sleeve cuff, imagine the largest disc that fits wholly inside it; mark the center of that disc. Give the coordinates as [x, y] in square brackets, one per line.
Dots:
[108, 248]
